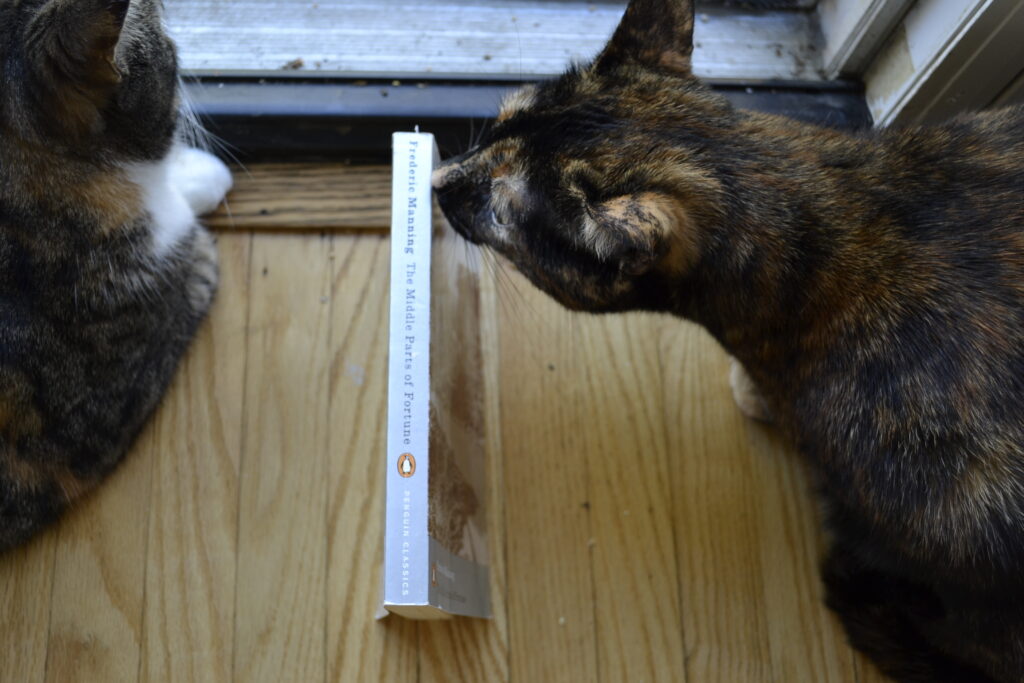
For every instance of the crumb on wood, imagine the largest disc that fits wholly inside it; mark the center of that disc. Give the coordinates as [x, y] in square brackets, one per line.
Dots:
[294, 65]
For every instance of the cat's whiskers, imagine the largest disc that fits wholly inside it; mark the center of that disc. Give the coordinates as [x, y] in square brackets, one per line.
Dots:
[477, 134]
[500, 286]
[195, 134]
[510, 287]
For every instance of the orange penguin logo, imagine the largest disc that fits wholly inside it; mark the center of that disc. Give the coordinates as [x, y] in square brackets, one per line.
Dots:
[406, 465]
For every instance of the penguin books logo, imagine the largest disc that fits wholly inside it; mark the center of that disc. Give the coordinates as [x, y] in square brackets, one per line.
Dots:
[406, 465]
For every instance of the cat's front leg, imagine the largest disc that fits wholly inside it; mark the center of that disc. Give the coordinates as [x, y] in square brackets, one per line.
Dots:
[202, 284]
[746, 394]
[200, 177]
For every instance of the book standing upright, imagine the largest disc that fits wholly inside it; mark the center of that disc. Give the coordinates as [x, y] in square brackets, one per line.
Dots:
[435, 545]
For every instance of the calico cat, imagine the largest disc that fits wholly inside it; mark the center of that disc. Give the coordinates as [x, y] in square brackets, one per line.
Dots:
[871, 286]
[104, 271]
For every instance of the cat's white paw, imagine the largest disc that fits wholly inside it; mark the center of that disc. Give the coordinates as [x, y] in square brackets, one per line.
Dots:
[201, 178]
[746, 394]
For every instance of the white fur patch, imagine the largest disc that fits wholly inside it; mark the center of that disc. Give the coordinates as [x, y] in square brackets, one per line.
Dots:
[171, 214]
[517, 101]
[202, 178]
[596, 237]
[177, 189]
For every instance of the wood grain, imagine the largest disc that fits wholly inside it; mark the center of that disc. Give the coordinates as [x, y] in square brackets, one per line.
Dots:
[99, 581]
[621, 423]
[26, 586]
[190, 565]
[307, 197]
[548, 526]
[475, 649]
[241, 540]
[715, 509]
[807, 642]
[280, 607]
[358, 647]
[749, 537]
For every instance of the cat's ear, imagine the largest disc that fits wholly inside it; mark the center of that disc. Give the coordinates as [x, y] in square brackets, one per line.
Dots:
[639, 231]
[71, 44]
[655, 33]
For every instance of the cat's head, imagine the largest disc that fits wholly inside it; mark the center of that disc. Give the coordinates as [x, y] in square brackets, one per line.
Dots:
[88, 77]
[595, 184]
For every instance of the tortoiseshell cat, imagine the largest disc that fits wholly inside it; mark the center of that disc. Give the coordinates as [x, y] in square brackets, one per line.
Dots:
[872, 285]
[104, 271]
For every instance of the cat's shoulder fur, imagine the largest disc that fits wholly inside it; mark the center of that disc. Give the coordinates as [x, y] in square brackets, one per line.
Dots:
[871, 284]
[104, 270]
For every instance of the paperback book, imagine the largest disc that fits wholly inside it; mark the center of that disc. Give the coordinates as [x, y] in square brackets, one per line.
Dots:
[435, 544]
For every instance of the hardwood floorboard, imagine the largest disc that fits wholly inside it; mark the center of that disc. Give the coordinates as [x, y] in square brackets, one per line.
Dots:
[715, 508]
[473, 649]
[623, 434]
[26, 586]
[193, 529]
[280, 591]
[96, 611]
[306, 198]
[550, 572]
[359, 648]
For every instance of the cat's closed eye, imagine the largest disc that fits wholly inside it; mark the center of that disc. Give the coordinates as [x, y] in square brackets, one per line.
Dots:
[507, 200]
[503, 221]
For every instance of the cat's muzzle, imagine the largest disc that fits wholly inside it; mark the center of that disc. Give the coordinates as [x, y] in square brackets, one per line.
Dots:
[459, 214]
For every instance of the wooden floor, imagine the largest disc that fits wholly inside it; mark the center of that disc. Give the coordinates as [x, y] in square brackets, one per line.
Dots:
[642, 529]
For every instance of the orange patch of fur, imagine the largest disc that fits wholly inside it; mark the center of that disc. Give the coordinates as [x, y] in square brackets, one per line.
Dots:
[106, 196]
[666, 220]
[112, 198]
[18, 421]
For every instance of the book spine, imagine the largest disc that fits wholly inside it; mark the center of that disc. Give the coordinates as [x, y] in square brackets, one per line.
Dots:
[406, 542]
